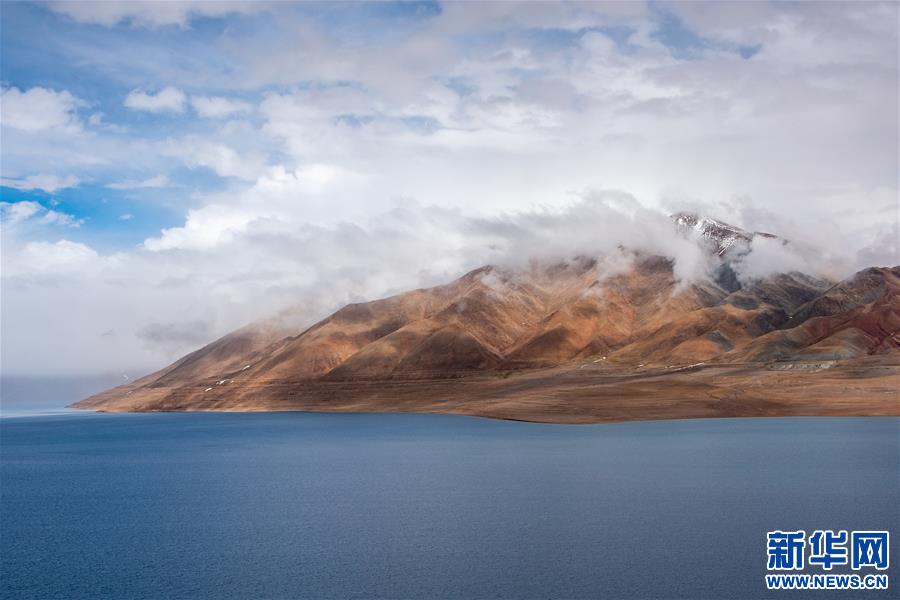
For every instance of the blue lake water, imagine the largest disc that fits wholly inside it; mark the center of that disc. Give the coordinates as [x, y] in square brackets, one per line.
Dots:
[302, 505]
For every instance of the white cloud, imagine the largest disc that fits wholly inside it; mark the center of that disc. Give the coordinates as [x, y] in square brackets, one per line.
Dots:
[17, 212]
[38, 109]
[203, 229]
[28, 211]
[168, 99]
[47, 183]
[54, 217]
[61, 255]
[213, 107]
[768, 256]
[229, 265]
[149, 14]
[159, 181]
[126, 217]
[329, 137]
[224, 160]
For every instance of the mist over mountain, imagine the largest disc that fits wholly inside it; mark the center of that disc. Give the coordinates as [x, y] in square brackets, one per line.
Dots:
[628, 309]
[221, 163]
[139, 310]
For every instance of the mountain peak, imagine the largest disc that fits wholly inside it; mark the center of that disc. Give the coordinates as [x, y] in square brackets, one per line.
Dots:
[569, 333]
[722, 236]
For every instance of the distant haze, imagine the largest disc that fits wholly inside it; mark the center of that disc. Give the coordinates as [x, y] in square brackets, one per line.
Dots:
[173, 171]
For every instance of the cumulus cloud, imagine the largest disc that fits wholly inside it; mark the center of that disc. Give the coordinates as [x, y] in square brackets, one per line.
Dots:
[168, 99]
[204, 228]
[302, 196]
[38, 109]
[334, 164]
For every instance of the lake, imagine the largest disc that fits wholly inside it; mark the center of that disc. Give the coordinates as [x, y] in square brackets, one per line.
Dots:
[418, 506]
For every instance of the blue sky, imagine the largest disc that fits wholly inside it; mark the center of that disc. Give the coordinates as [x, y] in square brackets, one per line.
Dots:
[179, 159]
[101, 65]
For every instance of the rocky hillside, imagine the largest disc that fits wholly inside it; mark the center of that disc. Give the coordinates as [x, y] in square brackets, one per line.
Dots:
[503, 321]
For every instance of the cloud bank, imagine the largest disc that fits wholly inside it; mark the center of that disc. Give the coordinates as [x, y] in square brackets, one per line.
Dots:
[147, 306]
[200, 165]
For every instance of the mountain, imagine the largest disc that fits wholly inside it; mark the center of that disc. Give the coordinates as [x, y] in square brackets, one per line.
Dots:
[859, 316]
[721, 236]
[516, 343]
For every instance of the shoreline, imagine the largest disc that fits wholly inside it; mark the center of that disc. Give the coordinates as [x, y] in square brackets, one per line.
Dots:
[89, 412]
[571, 395]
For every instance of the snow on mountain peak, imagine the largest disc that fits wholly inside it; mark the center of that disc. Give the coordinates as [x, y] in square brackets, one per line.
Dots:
[722, 236]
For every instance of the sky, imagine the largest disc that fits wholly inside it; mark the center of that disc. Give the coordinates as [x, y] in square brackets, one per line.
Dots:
[172, 171]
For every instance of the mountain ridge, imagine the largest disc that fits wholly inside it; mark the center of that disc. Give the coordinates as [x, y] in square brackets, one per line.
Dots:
[507, 324]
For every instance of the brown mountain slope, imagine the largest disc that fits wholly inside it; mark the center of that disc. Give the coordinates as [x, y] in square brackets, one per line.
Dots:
[497, 326]
[227, 354]
[491, 321]
[857, 317]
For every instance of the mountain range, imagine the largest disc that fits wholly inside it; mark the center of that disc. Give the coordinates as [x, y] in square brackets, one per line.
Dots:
[583, 340]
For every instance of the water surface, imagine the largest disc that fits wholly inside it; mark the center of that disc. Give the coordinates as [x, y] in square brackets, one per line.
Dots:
[412, 506]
